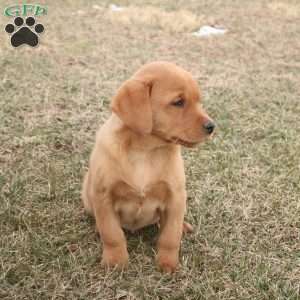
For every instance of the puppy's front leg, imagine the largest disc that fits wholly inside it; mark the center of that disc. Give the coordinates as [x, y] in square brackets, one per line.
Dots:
[112, 236]
[171, 233]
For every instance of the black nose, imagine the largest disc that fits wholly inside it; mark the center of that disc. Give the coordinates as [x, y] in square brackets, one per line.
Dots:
[209, 127]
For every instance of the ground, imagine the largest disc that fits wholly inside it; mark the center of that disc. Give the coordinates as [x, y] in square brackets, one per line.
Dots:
[243, 186]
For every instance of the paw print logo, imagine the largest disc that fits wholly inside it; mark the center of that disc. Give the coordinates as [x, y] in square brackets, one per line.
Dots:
[27, 33]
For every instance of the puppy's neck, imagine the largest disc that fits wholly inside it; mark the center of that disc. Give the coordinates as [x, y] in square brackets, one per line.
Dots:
[134, 141]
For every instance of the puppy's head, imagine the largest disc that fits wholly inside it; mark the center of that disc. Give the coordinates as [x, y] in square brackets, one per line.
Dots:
[164, 100]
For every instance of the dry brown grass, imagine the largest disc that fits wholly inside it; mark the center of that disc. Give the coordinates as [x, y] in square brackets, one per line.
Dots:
[286, 9]
[243, 187]
[149, 16]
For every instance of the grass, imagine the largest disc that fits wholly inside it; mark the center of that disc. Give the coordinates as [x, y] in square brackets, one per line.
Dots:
[243, 187]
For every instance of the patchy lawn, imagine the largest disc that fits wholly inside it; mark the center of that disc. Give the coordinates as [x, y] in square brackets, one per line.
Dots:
[243, 187]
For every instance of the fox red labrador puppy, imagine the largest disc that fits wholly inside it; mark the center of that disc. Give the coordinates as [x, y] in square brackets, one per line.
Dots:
[136, 173]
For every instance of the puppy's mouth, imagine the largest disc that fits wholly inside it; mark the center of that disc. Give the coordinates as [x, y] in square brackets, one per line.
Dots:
[184, 143]
[175, 140]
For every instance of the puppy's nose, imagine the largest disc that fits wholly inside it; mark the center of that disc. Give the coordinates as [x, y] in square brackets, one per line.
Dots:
[209, 127]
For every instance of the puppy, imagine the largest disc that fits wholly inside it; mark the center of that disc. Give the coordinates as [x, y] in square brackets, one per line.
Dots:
[136, 172]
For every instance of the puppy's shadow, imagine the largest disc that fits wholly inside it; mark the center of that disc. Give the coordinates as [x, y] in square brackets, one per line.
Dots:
[142, 243]
[142, 238]
[147, 236]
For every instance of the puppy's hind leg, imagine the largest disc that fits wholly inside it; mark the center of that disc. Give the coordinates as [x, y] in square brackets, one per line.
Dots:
[84, 196]
[187, 228]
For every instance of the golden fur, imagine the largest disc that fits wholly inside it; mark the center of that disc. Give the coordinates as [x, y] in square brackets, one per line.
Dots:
[136, 173]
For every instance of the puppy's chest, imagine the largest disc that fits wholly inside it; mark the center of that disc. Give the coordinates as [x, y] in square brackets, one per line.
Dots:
[140, 171]
[136, 208]
[142, 190]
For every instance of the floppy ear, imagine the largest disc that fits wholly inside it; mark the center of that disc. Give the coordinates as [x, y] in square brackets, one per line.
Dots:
[133, 107]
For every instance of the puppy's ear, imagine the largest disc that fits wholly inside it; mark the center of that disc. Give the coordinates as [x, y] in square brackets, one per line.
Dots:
[132, 105]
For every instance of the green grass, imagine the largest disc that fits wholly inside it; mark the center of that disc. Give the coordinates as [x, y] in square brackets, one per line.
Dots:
[243, 187]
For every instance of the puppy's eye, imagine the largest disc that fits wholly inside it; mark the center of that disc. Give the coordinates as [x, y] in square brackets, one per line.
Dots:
[179, 102]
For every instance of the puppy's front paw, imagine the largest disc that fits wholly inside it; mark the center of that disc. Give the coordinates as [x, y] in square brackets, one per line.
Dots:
[167, 261]
[115, 257]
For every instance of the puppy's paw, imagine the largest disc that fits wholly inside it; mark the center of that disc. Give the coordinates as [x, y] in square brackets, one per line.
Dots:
[167, 261]
[187, 228]
[115, 257]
